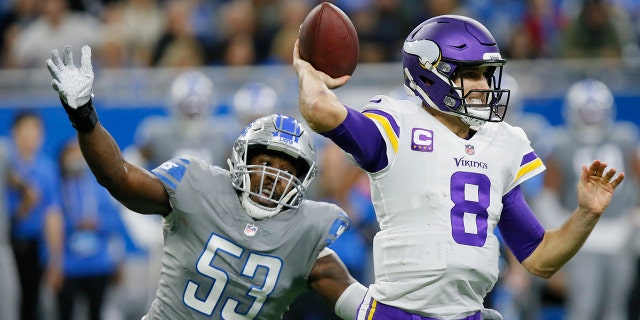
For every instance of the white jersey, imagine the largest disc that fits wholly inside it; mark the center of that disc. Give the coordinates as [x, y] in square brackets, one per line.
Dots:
[438, 202]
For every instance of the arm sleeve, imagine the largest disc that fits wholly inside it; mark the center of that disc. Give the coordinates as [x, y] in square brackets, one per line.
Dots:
[520, 228]
[359, 136]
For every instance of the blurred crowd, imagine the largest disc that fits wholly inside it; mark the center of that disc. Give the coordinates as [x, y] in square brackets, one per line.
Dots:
[187, 33]
[111, 255]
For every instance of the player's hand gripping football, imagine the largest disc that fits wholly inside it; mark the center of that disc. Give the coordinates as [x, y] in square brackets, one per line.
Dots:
[301, 65]
[596, 187]
[75, 86]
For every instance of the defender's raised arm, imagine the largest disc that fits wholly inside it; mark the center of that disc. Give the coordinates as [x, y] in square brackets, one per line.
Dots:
[133, 186]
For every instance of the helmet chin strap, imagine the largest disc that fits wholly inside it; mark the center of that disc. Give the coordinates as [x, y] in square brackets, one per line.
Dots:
[474, 123]
[478, 114]
[258, 211]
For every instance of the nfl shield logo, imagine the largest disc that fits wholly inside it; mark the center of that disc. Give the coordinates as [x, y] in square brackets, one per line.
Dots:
[250, 230]
[469, 150]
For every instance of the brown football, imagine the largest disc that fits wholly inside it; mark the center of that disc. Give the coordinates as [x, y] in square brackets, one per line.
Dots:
[329, 41]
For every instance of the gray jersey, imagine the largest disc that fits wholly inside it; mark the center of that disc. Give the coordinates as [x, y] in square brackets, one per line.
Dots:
[10, 290]
[616, 149]
[4, 213]
[167, 138]
[219, 263]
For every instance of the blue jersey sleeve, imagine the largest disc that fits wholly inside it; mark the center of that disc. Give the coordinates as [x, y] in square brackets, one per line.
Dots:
[171, 172]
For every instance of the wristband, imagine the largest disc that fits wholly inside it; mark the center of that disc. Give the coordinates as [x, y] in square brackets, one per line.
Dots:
[84, 118]
[350, 300]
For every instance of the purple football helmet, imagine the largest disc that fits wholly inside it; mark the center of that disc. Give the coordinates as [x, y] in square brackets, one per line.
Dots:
[433, 56]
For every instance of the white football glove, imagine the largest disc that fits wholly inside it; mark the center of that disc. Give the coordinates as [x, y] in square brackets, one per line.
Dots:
[490, 314]
[75, 86]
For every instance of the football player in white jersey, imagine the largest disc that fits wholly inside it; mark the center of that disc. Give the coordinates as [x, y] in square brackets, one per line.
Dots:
[238, 244]
[445, 173]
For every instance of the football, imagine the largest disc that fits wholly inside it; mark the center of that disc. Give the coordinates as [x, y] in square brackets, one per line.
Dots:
[329, 41]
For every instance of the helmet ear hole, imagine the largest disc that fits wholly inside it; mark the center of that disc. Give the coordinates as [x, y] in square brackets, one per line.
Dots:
[427, 82]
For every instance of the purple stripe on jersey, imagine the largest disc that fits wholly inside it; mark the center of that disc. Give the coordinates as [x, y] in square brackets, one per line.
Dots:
[359, 136]
[529, 157]
[521, 230]
[392, 121]
[386, 312]
[368, 312]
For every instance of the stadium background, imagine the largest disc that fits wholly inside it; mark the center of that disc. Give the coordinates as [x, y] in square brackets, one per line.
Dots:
[127, 94]
[123, 97]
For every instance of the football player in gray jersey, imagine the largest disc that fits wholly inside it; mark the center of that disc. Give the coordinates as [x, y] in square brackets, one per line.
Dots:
[239, 243]
[591, 131]
[190, 127]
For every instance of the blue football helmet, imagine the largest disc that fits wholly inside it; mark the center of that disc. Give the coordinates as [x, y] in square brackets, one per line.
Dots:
[589, 110]
[278, 133]
[434, 55]
[192, 95]
[254, 100]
